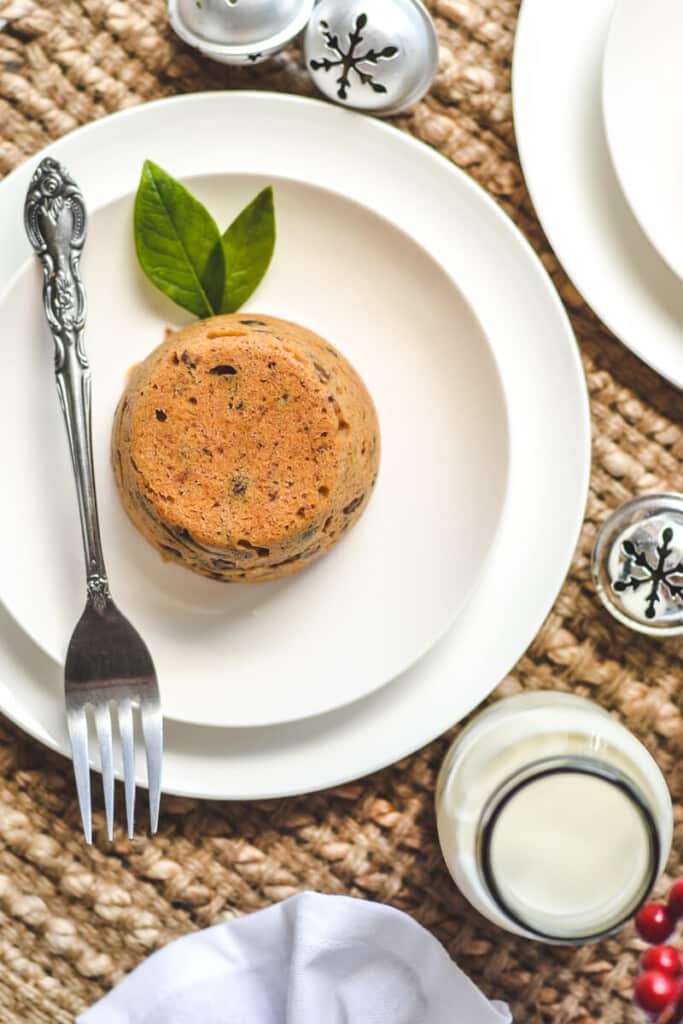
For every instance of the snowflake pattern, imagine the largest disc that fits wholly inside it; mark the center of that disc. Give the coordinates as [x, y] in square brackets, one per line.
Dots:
[348, 61]
[658, 575]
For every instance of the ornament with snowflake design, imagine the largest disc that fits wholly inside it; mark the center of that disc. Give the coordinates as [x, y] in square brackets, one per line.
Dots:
[380, 58]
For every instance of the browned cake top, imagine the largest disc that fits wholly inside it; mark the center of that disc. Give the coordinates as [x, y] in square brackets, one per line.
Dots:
[237, 428]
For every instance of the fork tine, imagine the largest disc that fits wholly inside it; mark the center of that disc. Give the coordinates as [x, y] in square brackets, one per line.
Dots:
[103, 726]
[152, 729]
[78, 734]
[125, 709]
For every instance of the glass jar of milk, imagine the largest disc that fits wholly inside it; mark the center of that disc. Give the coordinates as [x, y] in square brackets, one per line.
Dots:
[553, 818]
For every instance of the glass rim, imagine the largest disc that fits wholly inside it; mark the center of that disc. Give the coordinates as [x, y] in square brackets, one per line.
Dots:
[534, 772]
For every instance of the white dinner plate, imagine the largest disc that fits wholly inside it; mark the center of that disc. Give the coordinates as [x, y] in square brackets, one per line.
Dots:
[473, 242]
[247, 654]
[557, 101]
[642, 86]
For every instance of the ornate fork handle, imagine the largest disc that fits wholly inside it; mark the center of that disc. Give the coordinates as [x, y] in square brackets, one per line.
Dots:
[55, 221]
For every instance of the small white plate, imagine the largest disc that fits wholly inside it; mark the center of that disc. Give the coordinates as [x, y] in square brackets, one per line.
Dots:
[556, 91]
[250, 655]
[642, 94]
[478, 246]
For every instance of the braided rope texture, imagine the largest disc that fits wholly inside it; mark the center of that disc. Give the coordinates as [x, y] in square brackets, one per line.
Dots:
[73, 919]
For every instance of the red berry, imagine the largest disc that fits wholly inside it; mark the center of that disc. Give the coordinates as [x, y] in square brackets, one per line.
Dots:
[654, 923]
[676, 900]
[662, 958]
[654, 991]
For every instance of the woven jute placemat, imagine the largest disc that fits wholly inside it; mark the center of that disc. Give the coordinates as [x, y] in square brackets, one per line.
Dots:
[73, 920]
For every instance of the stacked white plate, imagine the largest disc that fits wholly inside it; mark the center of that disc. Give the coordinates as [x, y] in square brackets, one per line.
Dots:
[405, 264]
[596, 93]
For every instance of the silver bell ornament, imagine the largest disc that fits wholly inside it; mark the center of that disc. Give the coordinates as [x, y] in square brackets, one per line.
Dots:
[638, 564]
[379, 56]
[239, 31]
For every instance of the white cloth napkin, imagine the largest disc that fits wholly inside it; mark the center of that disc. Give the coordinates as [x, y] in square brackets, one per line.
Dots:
[311, 959]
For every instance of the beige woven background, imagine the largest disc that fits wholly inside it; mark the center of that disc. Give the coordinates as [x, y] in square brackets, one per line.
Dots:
[73, 920]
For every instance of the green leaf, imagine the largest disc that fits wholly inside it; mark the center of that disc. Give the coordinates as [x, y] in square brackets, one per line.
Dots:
[247, 249]
[178, 243]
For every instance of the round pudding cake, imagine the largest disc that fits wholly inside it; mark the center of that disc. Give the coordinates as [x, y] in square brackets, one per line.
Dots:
[244, 447]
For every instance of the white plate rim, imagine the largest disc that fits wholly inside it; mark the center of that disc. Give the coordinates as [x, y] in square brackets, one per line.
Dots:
[622, 169]
[299, 761]
[663, 354]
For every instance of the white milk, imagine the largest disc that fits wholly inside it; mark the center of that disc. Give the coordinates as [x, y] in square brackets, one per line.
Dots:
[553, 819]
[567, 845]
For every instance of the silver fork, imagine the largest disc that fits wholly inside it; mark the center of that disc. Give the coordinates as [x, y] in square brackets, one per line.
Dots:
[107, 662]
